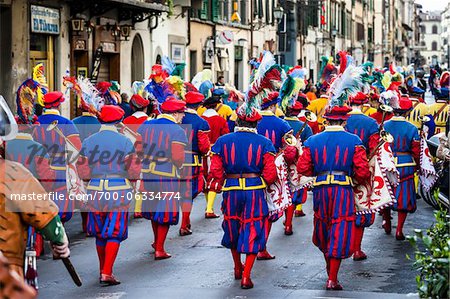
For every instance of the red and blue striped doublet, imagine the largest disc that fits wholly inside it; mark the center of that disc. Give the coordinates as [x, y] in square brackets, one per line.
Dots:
[273, 128]
[334, 156]
[55, 146]
[244, 205]
[300, 196]
[406, 149]
[366, 128]
[159, 172]
[197, 130]
[87, 125]
[109, 187]
[33, 156]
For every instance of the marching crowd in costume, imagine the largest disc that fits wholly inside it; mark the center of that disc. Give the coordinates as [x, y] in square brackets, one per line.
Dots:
[356, 141]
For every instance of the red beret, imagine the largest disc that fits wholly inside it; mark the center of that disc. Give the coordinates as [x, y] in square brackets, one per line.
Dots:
[337, 113]
[404, 103]
[53, 99]
[298, 106]
[193, 97]
[138, 101]
[103, 86]
[254, 116]
[359, 99]
[111, 114]
[172, 105]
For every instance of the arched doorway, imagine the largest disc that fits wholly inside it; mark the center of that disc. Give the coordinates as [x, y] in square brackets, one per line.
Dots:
[137, 59]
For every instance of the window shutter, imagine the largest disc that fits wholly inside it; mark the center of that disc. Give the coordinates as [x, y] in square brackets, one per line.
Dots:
[204, 10]
[215, 10]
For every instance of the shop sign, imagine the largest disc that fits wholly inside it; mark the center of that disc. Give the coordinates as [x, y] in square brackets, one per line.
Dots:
[44, 20]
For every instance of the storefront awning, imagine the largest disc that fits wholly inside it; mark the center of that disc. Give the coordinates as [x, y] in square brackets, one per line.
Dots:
[138, 10]
[155, 6]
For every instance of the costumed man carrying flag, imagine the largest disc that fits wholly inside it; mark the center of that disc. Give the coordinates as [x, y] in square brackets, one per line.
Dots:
[406, 149]
[218, 127]
[275, 129]
[56, 147]
[139, 106]
[366, 128]
[110, 187]
[302, 131]
[87, 124]
[337, 158]
[160, 173]
[197, 132]
[242, 166]
[291, 108]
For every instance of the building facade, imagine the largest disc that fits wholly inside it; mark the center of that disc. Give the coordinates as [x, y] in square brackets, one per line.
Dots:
[431, 38]
[445, 37]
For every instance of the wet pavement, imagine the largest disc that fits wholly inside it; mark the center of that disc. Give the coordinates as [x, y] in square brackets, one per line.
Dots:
[201, 267]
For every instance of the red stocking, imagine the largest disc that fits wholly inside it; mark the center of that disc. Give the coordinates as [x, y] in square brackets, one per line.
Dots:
[401, 221]
[289, 214]
[249, 261]
[111, 251]
[186, 213]
[155, 232]
[327, 260]
[359, 232]
[236, 258]
[334, 268]
[163, 229]
[101, 256]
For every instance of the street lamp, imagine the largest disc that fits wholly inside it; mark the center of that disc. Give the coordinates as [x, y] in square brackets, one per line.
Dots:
[278, 13]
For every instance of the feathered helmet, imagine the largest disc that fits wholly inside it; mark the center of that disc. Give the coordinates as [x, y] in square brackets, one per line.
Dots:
[326, 73]
[268, 78]
[26, 97]
[110, 96]
[88, 97]
[344, 86]
[248, 114]
[291, 87]
[344, 61]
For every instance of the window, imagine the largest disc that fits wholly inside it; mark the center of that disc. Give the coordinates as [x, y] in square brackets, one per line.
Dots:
[434, 29]
[243, 11]
[359, 32]
[422, 29]
[224, 12]
[434, 46]
[423, 44]
[370, 34]
[445, 41]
